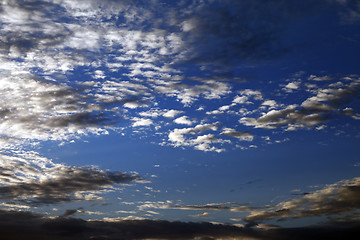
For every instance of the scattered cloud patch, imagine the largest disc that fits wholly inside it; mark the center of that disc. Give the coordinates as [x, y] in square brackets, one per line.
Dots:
[172, 113]
[322, 78]
[183, 120]
[140, 122]
[244, 136]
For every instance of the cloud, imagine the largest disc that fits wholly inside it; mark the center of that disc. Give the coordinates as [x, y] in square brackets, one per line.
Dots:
[226, 33]
[245, 136]
[187, 93]
[183, 120]
[291, 86]
[334, 199]
[314, 110]
[39, 181]
[233, 207]
[270, 103]
[73, 69]
[38, 227]
[339, 202]
[139, 122]
[34, 108]
[351, 11]
[323, 78]
[35, 226]
[172, 113]
[201, 142]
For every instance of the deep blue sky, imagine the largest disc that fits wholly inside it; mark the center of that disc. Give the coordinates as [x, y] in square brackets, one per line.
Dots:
[244, 113]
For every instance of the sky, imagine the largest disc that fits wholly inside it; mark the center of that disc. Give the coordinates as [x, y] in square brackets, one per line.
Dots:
[189, 119]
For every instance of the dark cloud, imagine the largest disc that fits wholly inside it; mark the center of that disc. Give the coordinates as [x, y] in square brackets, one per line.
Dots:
[350, 13]
[27, 225]
[65, 184]
[333, 200]
[70, 212]
[229, 33]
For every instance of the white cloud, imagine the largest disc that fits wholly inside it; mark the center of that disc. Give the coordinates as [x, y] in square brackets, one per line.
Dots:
[205, 138]
[139, 122]
[270, 103]
[252, 93]
[172, 113]
[292, 86]
[183, 120]
[180, 137]
[131, 105]
[323, 78]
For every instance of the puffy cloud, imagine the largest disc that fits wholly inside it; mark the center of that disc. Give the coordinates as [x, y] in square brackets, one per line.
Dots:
[201, 142]
[313, 111]
[270, 103]
[187, 93]
[183, 120]
[172, 113]
[291, 86]
[138, 122]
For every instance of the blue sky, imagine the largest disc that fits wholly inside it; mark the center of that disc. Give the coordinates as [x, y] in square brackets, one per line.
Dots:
[231, 118]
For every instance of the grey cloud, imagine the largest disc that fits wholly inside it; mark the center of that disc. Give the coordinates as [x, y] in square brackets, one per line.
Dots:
[62, 183]
[29, 26]
[240, 135]
[290, 117]
[216, 206]
[339, 202]
[229, 33]
[34, 226]
[34, 108]
[313, 111]
[351, 11]
[334, 199]
[69, 212]
[234, 207]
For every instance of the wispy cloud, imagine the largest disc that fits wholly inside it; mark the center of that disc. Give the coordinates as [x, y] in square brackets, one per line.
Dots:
[39, 181]
[334, 199]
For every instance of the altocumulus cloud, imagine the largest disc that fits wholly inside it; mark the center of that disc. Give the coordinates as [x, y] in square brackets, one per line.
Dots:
[65, 74]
